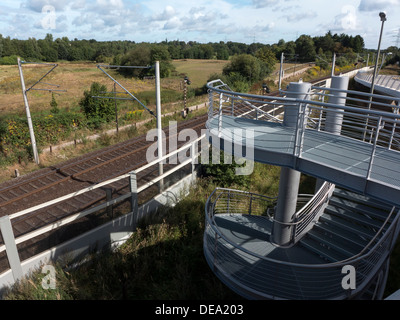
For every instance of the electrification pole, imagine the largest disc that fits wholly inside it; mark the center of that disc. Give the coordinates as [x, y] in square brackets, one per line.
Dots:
[28, 114]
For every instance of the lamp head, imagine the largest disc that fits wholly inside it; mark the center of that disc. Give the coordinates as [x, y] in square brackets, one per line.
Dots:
[382, 15]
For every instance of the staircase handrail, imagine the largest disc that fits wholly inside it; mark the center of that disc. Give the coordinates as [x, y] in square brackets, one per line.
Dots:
[210, 219]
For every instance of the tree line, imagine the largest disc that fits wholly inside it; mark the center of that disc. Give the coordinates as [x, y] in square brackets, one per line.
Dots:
[305, 48]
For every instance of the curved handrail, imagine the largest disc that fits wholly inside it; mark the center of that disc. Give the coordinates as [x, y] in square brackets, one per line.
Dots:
[358, 257]
[375, 130]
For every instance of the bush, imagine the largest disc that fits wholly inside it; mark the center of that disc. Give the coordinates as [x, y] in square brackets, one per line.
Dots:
[97, 110]
[9, 60]
[223, 174]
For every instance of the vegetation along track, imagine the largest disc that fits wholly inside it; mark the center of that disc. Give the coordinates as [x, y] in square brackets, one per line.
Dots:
[53, 182]
[68, 177]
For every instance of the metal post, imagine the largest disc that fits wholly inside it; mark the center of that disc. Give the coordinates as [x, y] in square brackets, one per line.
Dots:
[11, 247]
[289, 179]
[333, 65]
[334, 118]
[378, 127]
[159, 128]
[134, 196]
[383, 19]
[220, 115]
[280, 71]
[28, 114]
[116, 108]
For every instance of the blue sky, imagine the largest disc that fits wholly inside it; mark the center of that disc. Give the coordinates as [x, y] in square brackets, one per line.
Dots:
[264, 21]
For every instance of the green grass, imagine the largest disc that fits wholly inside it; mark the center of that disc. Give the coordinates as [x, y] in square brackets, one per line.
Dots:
[198, 71]
[162, 260]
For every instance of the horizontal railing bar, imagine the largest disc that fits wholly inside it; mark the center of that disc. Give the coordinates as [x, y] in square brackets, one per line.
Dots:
[96, 186]
[155, 180]
[69, 219]
[68, 196]
[169, 155]
[358, 100]
[374, 95]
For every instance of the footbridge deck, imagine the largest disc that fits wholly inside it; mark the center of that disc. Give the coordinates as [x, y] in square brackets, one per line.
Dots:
[353, 164]
[363, 156]
[386, 84]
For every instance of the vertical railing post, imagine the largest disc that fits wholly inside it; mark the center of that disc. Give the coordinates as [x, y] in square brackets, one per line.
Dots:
[215, 251]
[193, 151]
[134, 196]
[378, 127]
[110, 210]
[394, 125]
[11, 247]
[220, 115]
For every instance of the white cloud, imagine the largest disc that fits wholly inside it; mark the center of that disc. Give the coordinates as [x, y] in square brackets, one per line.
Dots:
[300, 16]
[37, 5]
[173, 23]
[374, 5]
[264, 3]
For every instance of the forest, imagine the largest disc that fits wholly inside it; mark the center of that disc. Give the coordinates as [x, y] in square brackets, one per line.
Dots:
[305, 48]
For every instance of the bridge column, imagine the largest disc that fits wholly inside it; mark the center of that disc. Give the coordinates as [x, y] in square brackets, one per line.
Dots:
[334, 120]
[289, 179]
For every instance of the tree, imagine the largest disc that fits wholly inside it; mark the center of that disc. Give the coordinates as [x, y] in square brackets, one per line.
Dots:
[305, 48]
[97, 110]
[247, 66]
[267, 56]
[160, 53]
[54, 105]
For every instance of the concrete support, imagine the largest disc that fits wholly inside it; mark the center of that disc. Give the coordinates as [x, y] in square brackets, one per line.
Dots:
[289, 179]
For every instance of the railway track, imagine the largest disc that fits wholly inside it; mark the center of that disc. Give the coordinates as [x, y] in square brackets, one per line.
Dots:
[68, 177]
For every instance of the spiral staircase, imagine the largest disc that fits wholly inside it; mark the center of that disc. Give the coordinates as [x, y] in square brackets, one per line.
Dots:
[351, 221]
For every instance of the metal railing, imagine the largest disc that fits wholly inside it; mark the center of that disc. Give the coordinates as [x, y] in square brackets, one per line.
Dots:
[6, 229]
[377, 131]
[262, 277]
[388, 81]
[229, 201]
[307, 216]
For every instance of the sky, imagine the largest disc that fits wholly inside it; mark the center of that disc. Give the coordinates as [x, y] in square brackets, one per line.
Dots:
[246, 21]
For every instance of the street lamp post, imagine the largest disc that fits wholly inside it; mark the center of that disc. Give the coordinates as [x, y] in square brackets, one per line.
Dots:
[382, 15]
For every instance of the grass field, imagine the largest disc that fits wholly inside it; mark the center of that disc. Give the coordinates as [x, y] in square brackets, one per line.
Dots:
[74, 78]
[198, 71]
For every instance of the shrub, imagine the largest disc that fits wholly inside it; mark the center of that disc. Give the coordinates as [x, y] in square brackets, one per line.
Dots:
[224, 174]
[97, 110]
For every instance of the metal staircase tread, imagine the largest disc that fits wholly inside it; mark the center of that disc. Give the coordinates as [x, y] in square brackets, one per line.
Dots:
[322, 251]
[377, 214]
[339, 222]
[342, 193]
[353, 217]
[340, 233]
[332, 244]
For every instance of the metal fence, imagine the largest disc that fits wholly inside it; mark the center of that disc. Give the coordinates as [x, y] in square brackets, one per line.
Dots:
[261, 277]
[367, 145]
[10, 242]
